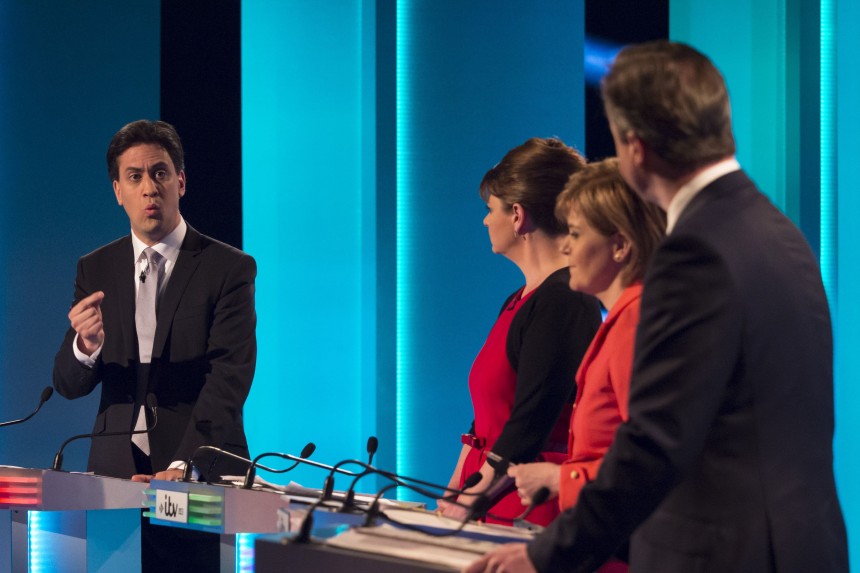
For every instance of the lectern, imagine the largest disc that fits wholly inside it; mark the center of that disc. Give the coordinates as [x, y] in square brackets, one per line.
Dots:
[225, 510]
[57, 521]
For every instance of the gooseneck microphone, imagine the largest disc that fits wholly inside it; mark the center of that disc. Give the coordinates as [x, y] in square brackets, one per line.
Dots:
[409, 483]
[150, 403]
[500, 485]
[306, 452]
[480, 504]
[372, 446]
[333, 469]
[328, 484]
[304, 534]
[483, 501]
[373, 510]
[189, 466]
[47, 392]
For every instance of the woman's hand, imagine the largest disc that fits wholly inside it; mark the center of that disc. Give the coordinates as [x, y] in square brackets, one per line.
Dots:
[510, 558]
[531, 477]
[452, 510]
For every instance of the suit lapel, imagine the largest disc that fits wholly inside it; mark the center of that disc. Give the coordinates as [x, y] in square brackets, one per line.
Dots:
[124, 287]
[185, 267]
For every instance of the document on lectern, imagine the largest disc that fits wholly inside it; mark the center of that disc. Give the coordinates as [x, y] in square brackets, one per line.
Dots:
[454, 551]
[439, 539]
[439, 523]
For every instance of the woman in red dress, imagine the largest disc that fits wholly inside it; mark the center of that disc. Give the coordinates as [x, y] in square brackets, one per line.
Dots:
[522, 381]
[611, 235]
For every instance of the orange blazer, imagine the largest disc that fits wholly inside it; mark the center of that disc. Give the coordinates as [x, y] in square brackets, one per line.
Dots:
[602, 390]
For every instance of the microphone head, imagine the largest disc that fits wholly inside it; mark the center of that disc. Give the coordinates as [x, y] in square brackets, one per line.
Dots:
[308, 450]
[472, 480]
[480, 507]
[47, 392]
[498, 463]
[540, 496]
[372, 445]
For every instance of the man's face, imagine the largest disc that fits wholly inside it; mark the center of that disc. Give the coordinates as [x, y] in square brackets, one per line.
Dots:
[149, 189]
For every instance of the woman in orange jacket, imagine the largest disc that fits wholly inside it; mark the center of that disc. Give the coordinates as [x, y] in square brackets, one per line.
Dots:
[611, 235]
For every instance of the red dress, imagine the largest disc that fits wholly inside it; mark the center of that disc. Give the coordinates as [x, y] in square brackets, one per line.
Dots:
[554, 319]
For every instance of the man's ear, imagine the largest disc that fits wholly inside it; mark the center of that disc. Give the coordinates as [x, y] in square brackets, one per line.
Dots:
[181, 177]
[638, 149]
[117, 193]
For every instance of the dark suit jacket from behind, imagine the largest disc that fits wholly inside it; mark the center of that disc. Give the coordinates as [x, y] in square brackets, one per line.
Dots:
[203, 356]
[726, 461]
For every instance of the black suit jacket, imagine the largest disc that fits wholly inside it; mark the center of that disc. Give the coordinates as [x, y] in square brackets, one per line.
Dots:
[726, 461]
[203, 356]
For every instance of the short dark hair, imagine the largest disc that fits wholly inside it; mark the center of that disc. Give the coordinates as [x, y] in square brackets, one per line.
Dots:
[143, 131]
[601, 196]
[674, 99]
[533, 174]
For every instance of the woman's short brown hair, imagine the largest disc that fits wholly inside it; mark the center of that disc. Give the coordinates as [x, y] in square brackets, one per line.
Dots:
[534, 174]
[599, 194]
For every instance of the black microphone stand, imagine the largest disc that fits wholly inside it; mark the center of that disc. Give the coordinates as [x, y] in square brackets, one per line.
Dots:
[58, 458]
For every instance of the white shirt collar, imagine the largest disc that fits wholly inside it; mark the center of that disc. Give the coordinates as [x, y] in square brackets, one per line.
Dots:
[168, 247]
[690, 189]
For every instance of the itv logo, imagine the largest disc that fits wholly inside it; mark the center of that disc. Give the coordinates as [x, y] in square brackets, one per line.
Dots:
[171, 505]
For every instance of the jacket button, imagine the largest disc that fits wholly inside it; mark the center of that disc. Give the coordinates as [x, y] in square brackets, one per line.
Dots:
[574, 474]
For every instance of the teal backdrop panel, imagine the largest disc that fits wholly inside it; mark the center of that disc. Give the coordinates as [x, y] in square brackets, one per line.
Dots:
[474, 79]
[366, 130]
[753, 65]
[307, 181]
[71, 73]
[845, 19]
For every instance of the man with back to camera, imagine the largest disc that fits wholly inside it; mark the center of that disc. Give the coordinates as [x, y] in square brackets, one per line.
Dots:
[726, 462]
[167, 312]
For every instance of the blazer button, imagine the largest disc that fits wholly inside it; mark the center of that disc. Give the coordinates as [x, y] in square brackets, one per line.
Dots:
[574, 474]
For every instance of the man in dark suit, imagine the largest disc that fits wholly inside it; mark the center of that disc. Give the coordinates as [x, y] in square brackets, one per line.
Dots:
[193, 347]
[726, 461]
